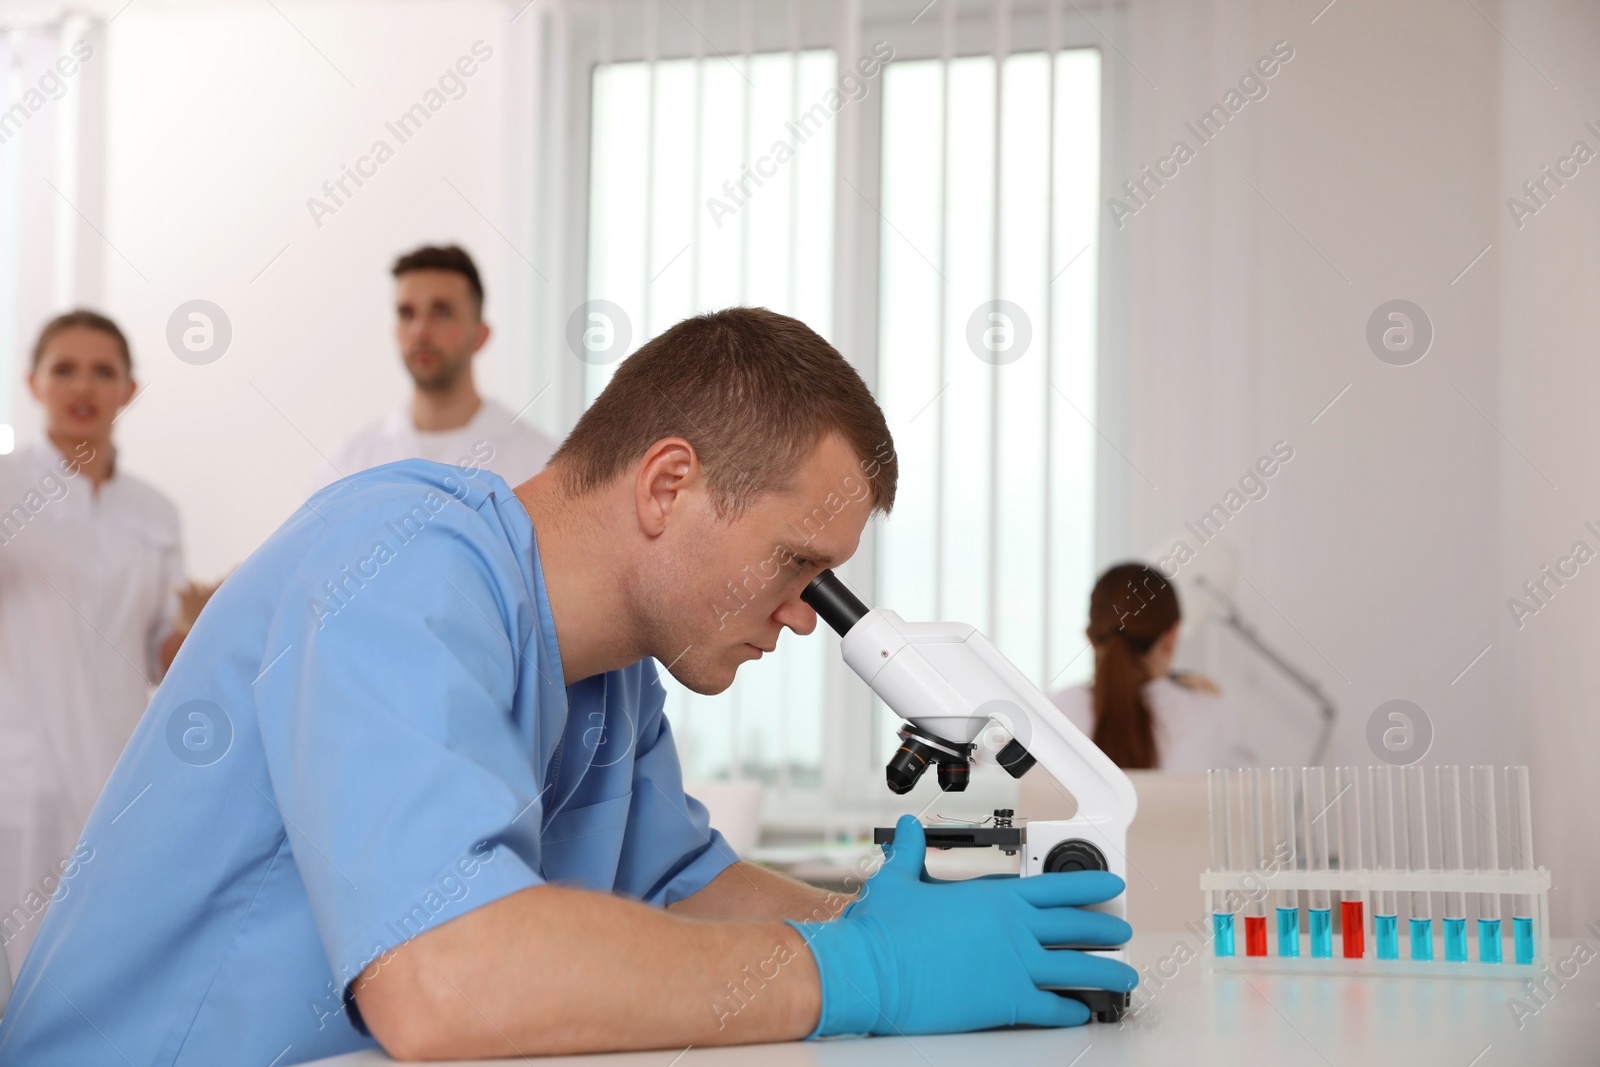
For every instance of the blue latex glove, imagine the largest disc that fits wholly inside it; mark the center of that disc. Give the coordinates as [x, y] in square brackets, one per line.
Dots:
[917, 955]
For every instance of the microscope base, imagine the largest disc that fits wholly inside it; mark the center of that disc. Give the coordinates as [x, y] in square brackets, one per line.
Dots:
[1104, 1005]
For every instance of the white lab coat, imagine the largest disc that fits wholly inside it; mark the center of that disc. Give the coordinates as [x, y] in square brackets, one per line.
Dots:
[87, 594]
[1194, 731]
[493, 440]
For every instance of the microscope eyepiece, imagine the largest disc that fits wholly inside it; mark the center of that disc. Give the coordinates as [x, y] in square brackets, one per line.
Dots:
[834, 601]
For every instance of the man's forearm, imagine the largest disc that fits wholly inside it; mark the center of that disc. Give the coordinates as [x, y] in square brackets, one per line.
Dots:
[745, 891]
[552, 970]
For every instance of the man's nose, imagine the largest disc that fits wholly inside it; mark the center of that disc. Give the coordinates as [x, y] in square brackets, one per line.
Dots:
[797, 615]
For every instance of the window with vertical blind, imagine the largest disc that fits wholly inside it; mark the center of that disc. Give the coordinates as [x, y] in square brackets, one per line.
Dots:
[958, 195]
[668, 139]
[989, 195]
[46, 148]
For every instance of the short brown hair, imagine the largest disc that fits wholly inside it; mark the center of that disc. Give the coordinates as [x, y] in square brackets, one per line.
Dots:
[80, 318]
[452, 258]
[753, 391]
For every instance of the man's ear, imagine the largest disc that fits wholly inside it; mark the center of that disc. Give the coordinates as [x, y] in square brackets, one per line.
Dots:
[669, 467]
[483, 337]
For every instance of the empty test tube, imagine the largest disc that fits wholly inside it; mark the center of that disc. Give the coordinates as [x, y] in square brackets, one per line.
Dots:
[1416, 785]
[1448, 789]
[1519, 828]
[1385, 910]
[1315, 808]
[1286, 854]
[1255, 848]
[1347, 814]
[1221, 859]
[1488, 841]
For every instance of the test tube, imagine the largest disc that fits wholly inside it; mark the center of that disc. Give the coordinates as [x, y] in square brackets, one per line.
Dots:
[1385, 909]
[1488, 861]
[1448, 787]
[1347, 805]
[1221, 853]
[1519, 824]
[1416, 785]
[1255, 848]
[1320, 913]
[1285, 853]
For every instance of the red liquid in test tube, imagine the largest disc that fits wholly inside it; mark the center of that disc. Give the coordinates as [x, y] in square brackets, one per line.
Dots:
[1355, 934]
[1255, 935]
[1353, 856]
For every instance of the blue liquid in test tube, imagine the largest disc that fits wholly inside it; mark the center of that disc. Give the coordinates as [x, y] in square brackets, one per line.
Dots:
[1448, 780]
[1222, 933]
[1319, 904]
[1489, 940]
[1416, 787]
[1488, 837]
[1385, 909]
[1284, 845]
[1322, 933]
[1422, 939]
[1519, 825]
[1220, 814]
[1455, 940]
[1386, 932]
[1289, 932]
[1522, 936]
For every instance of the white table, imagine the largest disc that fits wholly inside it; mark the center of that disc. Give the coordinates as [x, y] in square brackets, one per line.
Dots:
[1201, 1017]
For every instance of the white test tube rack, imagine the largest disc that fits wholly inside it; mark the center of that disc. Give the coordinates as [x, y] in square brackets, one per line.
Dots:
[1230, 891]
[1534, 883]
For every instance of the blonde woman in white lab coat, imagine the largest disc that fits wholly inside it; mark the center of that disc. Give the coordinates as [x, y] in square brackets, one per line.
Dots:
[91, 613]
[1136, 709]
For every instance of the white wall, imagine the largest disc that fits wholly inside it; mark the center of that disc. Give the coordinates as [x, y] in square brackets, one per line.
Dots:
[1548, 378]
[223, 121]
[1373, 558]
[1384, 555]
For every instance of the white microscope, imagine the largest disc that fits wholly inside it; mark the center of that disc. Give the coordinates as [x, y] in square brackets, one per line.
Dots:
[948, 682]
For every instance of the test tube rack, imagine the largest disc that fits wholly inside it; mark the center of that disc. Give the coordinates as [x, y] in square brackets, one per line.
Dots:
[1264, 838]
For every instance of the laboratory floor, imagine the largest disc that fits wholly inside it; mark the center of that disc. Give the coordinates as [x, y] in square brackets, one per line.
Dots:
[1190, 1016]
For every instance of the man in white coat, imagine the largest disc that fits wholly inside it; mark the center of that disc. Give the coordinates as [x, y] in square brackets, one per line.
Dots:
[439, 328]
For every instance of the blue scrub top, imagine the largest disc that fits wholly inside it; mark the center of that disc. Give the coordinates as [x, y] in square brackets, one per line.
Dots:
[365, 735]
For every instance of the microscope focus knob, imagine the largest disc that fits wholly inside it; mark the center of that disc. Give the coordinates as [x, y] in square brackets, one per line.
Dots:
[1075, 855]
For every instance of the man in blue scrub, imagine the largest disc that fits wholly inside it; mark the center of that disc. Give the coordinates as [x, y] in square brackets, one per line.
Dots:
[408, 781]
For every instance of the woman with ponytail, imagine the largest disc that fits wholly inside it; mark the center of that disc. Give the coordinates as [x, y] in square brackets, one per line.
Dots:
[1137, 710]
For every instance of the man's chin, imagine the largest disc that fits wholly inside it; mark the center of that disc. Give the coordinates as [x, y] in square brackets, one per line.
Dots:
[699, 679]
[438, 380]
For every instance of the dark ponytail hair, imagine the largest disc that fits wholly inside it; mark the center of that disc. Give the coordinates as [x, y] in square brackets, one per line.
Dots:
[1129, 610]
